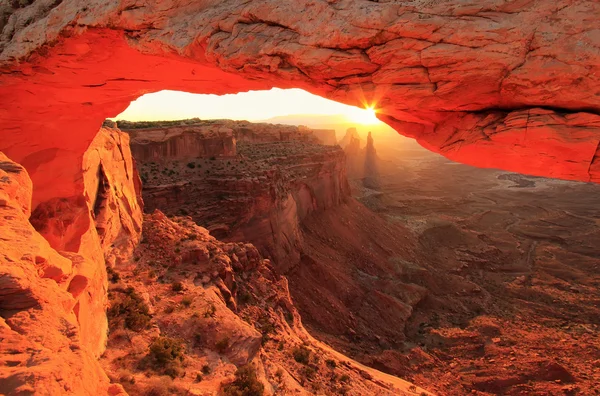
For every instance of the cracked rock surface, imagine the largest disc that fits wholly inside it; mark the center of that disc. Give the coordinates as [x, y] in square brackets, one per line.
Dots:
[489, 83]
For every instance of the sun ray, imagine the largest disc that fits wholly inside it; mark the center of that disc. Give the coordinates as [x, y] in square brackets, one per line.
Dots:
[366, 116]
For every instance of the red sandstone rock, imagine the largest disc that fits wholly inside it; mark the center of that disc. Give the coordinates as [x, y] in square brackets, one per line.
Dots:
[435, 71]
[261, 196]
[43, 350]
[499, 84]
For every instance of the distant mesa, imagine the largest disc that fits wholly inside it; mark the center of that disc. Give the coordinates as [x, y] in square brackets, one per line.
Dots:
[195, 138]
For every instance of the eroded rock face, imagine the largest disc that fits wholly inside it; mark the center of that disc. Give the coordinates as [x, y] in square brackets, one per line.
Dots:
[487, 84]
[262, 195]
[99, 228]
[43, 350]
[180, 142]
[53, 297]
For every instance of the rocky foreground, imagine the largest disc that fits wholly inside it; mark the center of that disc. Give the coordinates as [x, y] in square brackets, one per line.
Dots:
[186, 313]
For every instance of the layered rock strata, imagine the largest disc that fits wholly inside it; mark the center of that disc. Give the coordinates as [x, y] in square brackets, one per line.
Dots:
[261, 196]
[53, 297]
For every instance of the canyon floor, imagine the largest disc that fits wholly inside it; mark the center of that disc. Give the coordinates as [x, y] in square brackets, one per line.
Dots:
[532, 247]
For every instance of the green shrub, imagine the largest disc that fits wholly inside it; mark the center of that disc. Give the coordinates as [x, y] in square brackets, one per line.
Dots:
[309, 372]
[187, 301]
[166, 355]
[113, 276]
[222, 345]
[301, 354]
[132, 311]
[246, 383]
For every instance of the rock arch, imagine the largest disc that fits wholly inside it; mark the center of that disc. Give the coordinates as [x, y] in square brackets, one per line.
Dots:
[511, 84]
[504, 83]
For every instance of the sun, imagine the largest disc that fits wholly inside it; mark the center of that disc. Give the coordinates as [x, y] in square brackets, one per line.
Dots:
[367, 116]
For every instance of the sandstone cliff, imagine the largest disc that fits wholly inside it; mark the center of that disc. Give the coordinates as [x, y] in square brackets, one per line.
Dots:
[163, 144]
[195, 138]
[53, 302]
[228, 307]
[54, 294]
[325, 136]
[260, 196]
[371, 166]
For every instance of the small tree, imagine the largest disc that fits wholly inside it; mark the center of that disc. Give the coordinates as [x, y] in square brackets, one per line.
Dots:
[246, 383]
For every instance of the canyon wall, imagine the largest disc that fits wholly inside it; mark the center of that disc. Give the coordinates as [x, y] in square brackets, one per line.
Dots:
[163, 144]
[261, 196]
[325, 136]
[53, 270]
[194, 138]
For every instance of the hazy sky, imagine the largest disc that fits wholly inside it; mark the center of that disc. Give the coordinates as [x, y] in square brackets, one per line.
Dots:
[251, 106]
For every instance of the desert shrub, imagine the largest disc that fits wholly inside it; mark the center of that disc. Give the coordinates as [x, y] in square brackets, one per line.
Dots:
[187, 301]
[191, 165]
[412, 388]
[169, 309]
[199, 377]
[198, 338]
[309, 372]
[132, 311]
[177, 286]
[213, 158]
[166, 355]
[222, 345]
[113, 276]
[244, 297]
[301, 354]
[331, 363]
[206, 369]
[246, 383]
[345, 378]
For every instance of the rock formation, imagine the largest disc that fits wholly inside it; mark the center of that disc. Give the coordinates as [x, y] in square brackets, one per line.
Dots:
[361, 163]
[349, 137]
[230, 308]
[179, 142]
[371, 178]
[53, 295]
[504, 84]
[260, 196]
[325, 136]
[476, 83]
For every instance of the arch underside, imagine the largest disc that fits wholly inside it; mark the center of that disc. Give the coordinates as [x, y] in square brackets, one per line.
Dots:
[506, 84]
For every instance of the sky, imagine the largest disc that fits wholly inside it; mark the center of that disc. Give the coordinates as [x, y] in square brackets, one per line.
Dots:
[251, 106]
